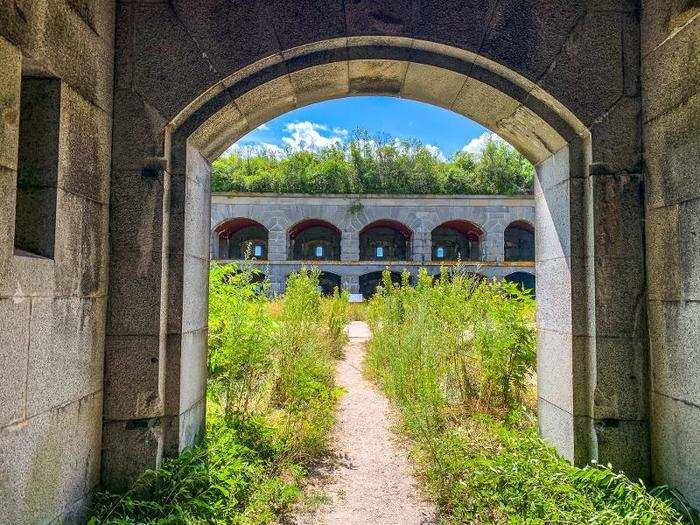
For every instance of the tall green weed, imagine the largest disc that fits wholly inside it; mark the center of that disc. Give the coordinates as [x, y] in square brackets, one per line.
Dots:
[271, 406]
[457, 357]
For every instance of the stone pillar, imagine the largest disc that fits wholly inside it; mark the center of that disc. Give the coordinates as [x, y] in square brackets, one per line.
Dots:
[350, 245]
[277, 245]
[492, 244]
[351, 283]
[421, 246]
[620, 377]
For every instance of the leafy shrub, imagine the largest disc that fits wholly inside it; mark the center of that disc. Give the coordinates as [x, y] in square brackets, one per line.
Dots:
[456, 356]
[271, 406]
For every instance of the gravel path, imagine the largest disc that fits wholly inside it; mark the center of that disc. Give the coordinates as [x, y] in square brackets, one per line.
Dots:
[371, 481]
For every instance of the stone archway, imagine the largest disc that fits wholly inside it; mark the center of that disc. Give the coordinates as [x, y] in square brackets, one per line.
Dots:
[577, 278]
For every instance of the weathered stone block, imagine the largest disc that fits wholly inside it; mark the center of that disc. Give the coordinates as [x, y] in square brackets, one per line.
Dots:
[621, 379]
[230, 34]
[138, 131]
[81, 246]
[625, 445]
[50, 462]
[675, 442]
[67, 341]
[593, 55]
[11, 60]
[75, 53]
[671, 155]
[527, 36]
[618, 215]
[555, 369]
[191, 425]
[674, 334]
[195, 296]
[134, 293]
[320, 83]
[128, 449]
[617, 136]
[267, 101]
[85, 155]
[377, 77]
[295, 22]
[197, 213]
[432, 85]
[159, 31]
[193, 370]
[660, 18]
[671, 74]
[135, 214]
[555, 300]
[530, 134]
[559, 220]
[620, 286]
[131, 377]
[454, 22]
[367, 17]
[672, 248]
[14, 340]
[483, 103]
[557, 427]
[98, 15]
[8, 188]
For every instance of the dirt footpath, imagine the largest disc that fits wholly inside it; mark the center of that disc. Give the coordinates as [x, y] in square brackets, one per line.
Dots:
[372, 483]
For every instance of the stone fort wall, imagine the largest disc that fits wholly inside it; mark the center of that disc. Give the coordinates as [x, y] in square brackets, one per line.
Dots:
[420, 214]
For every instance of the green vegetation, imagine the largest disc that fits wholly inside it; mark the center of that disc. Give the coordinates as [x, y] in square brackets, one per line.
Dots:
[366, 165]
[271, 406]
[457, 358]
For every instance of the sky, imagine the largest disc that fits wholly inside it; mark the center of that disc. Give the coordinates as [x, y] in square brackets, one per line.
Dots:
[332, 122]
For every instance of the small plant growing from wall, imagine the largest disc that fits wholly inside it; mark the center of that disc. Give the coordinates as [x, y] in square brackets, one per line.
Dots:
[355, 208]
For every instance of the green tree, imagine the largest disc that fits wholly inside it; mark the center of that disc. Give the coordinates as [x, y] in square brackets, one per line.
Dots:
[369, 164]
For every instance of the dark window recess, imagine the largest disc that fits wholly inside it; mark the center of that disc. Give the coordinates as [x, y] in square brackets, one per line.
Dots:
[37, 166]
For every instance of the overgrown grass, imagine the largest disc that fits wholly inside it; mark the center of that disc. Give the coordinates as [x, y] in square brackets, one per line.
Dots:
[271, 406]
[457, 358]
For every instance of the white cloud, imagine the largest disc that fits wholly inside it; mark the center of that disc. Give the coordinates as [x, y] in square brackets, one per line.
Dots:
[255, 149]
[436, 152]
[477, 145]
[306, 136]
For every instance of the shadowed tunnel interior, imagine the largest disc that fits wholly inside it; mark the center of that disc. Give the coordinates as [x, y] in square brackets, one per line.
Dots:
[456, 240]
[385, 240]
[314, 239]
[242, 238]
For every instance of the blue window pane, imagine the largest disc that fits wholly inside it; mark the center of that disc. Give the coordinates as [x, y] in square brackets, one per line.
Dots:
[440, 252]
[380, 251]
[319, 251]
[257, 251]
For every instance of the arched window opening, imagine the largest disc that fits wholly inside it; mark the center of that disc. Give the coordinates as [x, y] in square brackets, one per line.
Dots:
[370, 281]
[242, 239]
[456, 240]
[385, 240]
[314, 240]
[525, 280]
[328, 282]
[519, 242]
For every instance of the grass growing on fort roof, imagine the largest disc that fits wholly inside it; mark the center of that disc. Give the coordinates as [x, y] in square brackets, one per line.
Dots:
[271, 406]
[456, 358]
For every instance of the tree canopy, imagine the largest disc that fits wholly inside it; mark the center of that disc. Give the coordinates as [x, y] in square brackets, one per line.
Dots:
[365, 165]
